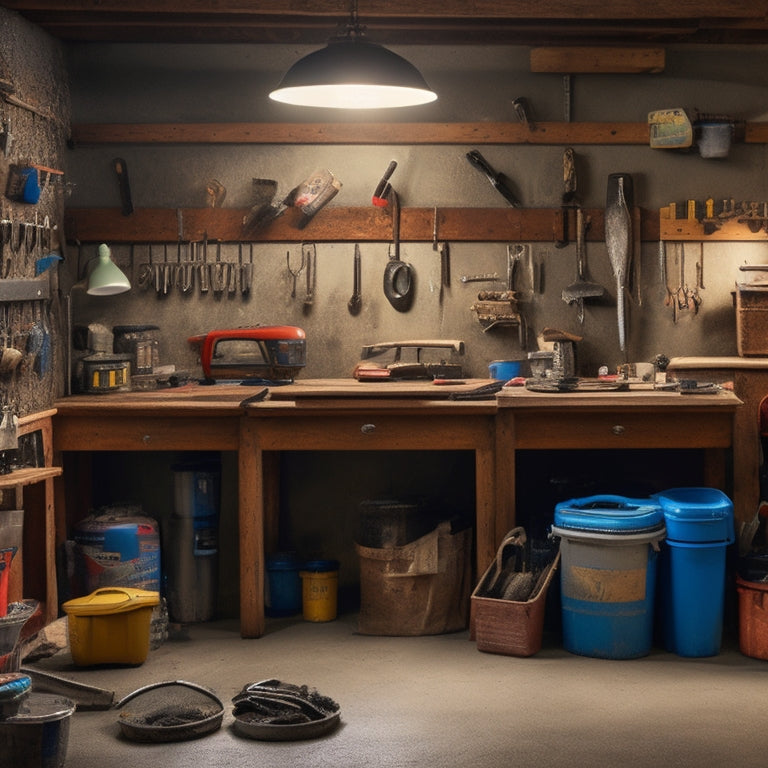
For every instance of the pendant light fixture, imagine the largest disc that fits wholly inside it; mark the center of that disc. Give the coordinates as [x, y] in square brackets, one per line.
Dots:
[351, 72]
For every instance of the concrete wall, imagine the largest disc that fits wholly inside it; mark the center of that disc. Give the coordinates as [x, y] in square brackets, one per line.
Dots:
[32, 63]
[178, 83]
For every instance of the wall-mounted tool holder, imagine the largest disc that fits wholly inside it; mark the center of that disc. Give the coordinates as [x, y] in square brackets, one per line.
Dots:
[339, 224]
[723, 220]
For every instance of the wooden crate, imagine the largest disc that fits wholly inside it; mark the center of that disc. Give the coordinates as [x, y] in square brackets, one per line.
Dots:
[752, 320]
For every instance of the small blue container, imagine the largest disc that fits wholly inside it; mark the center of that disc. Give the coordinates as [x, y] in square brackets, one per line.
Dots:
[504, 370]
[692, 569]
[283, 597]
[608, 546]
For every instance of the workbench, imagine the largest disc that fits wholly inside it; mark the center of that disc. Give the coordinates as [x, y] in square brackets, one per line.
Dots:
[609, 420]
[333, 415]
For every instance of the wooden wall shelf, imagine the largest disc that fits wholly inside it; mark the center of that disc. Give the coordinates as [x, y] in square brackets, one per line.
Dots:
[374, 133]
[337, 224]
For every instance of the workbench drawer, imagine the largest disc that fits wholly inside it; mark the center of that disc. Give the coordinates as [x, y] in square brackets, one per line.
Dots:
[375, 432]
[559, 430]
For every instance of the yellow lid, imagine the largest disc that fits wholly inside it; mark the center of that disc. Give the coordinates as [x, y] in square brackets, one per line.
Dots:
[111, 600]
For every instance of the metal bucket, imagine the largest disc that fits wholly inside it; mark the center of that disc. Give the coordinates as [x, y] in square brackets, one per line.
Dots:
[38, 735]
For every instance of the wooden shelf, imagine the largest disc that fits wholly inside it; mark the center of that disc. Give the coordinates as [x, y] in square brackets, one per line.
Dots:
[375, 133]
[33, 572]
[337, 224]
[28, 476]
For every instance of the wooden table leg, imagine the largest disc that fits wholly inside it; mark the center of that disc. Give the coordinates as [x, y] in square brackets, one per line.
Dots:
[505, 477]
[251, 533]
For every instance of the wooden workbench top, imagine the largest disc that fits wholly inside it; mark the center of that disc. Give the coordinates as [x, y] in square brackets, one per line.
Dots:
[522, 398]
[702, 363]
[227, 398]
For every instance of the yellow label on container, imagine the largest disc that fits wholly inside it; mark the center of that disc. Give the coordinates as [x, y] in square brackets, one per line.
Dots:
[601, 585]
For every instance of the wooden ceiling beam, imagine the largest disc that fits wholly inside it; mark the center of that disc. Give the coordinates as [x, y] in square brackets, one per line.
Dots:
[631, 10]
[450, 22]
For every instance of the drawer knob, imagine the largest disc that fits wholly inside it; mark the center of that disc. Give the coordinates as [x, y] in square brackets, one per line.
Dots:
[617, 429]
[146, 439]
[368, 429]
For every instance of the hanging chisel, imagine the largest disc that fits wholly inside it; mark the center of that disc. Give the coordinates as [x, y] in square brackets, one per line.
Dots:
[121, 169]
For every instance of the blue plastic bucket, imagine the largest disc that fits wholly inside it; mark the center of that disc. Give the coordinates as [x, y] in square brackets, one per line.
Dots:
[691, 597]
[692, 569]
[609, 549]
[283, 597]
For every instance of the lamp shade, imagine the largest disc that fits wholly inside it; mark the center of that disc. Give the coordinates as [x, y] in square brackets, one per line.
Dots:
[106, 278]
[353, 73]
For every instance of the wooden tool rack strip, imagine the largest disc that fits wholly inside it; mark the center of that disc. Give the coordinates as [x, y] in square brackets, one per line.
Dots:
[376, 133]
[685, 230]
[339, 224]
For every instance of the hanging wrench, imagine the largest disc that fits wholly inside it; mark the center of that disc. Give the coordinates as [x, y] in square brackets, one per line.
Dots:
[311, 255]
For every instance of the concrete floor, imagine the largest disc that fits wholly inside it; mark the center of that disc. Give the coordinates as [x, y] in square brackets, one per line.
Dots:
[439, 702]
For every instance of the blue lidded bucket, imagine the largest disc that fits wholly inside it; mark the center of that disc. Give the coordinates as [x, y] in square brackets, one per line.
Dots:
[283, 597]
[608, 546]
[700, 528]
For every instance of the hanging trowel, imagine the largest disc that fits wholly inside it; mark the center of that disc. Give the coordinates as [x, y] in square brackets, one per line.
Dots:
[618, 239]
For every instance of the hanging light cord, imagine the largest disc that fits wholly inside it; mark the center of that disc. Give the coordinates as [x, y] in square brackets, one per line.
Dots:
[353, 27]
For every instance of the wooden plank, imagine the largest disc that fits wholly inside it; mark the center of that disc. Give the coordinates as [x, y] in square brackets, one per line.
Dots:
[351, 388]
[594, 59]
[360, 133]
[335, 224]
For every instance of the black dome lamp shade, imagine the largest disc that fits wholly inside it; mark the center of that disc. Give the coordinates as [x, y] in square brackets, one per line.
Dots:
[353, 73]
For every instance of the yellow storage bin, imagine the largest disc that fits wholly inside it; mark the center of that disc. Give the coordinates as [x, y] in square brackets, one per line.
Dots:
[110, 626]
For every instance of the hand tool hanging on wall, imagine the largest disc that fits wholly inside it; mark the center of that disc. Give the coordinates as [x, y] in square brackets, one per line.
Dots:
[233, 271]
[498, 180]
[618, 240]
[380, 195]
[263, 210]
[568, 199]
[582, 288]
[314, 194]
[121, 169]
[246, 273]
[309, 252]
[203, 268]
[524, 112]
[215, 192]
[443, 250]
[6, 137]
[295, 272]
[398, 275]
[356, 302]
[219, 272]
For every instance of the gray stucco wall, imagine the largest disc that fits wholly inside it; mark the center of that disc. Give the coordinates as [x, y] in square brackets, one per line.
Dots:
[178, 83]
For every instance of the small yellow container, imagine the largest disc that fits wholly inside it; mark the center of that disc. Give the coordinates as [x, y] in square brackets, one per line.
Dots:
[319, 590]
[110, 626]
